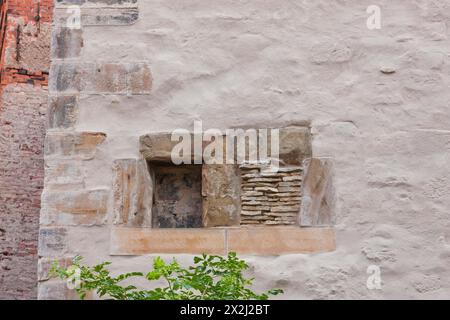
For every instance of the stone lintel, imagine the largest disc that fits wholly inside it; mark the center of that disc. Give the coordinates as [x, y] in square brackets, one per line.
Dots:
[294, 144]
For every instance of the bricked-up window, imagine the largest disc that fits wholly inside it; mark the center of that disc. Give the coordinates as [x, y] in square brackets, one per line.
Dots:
[177, 199]
[245, 207]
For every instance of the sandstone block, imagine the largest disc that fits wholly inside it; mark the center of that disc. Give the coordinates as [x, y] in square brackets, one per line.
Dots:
[260, 198]
[157, 147]
[221, 192]
[318, 202]
[132, 190]
[52, 241]
[290, 184]
[292, 178]
[250, 213]
[100, 16]
[136, 241]
[55, 290]
[82, 145]
[294, 190]
[62, 112]
[280, 240]
[62, 175]
[266, 189]
[67, 76]
[45, 264]
[108, 78]
[251, 193]
[285, 209]
[84, 207]
[66, 42]
[264, 180]
[255, 208]
[295, 145]
[139, 78]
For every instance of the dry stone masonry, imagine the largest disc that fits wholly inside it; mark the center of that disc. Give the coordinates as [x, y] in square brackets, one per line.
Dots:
[268, 197]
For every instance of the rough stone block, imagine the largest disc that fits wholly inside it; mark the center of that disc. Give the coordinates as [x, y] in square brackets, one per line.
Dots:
[45, 264]
[221, 192]
[280, 240]
[64, 175]
[66, 77]
[139, 78]
[136, 241]
[81, 145]
[132, 189]
[55, 290]
[52, 241]
[108, 78]
[85, 207]
[318, 202]
[62, 112]
[158, 147]
[119, 14]
[66, 43]
[63, 3]
[100, 78]
[295, 145]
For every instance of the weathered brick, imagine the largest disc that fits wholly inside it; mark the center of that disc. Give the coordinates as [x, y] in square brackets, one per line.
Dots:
[100, 78]
[157, 147]
[109, 78]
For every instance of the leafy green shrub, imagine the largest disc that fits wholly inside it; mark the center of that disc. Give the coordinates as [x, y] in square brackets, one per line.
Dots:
[210, 278]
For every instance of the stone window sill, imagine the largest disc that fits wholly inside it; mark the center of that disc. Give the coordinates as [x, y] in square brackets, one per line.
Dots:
[243, 240]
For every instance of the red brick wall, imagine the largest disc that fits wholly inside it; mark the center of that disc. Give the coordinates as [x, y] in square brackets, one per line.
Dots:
[23, 104]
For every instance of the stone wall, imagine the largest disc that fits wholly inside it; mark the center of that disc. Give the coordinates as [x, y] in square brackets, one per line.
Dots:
[25, 47]
[375, 100]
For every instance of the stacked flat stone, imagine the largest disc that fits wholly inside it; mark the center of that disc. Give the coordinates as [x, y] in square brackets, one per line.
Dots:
[268, 197]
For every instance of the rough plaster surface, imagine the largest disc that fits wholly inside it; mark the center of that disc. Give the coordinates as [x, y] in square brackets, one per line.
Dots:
[378, 102]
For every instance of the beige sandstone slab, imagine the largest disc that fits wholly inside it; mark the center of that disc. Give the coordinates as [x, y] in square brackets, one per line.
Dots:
[257, 240]
[137, 241]
[280, 240]
[318, 202]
